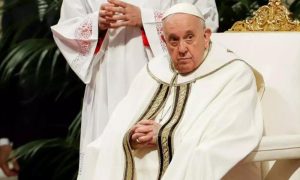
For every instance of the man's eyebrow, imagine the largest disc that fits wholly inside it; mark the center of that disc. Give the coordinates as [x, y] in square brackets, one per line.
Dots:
[172, 36]
[190, 32]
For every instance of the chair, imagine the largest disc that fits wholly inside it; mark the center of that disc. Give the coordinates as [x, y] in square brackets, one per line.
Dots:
[276, 55]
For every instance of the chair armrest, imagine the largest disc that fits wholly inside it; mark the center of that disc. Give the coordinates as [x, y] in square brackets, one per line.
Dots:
[276, 148]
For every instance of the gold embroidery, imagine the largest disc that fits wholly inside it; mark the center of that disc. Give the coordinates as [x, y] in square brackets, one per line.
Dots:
[153, 111]
[165, 139]
[150, 113]
[129, 167]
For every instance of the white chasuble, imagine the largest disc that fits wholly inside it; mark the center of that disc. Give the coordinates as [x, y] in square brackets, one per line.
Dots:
[210, 120]
[109, 72]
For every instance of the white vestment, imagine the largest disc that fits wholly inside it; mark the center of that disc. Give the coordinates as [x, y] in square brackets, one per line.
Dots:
[211, 119]
[108, 73]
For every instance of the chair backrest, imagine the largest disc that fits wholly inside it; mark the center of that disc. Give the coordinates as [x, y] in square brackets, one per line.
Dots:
[276, 55]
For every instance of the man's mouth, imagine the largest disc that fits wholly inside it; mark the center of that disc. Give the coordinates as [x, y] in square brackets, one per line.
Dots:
[184, 59]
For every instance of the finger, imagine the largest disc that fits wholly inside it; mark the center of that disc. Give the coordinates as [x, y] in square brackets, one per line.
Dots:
[102, 20]
[105, 5]
[119, 17]
[118, 3]
[144, 129]
[116, 9]
[109, 14]
[142, 138]
[110, 19]
[135, 136]
[119, 24]
[147, 138]
[146, 122]
[104, 13]
[134, 127]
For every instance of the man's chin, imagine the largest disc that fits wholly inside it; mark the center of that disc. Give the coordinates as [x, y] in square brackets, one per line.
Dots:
[184, 71]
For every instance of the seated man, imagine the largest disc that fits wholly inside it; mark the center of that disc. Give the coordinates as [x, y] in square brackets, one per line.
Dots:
[192, 114]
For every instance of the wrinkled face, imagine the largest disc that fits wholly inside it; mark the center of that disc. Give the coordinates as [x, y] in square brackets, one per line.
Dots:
[186, 40]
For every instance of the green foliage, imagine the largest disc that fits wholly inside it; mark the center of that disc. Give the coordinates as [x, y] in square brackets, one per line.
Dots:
[31, 60]
[37, 63]
[295, 8]
[70, 142]
[57, 158]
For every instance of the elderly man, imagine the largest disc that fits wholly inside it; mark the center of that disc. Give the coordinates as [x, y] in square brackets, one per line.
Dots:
[191, 114]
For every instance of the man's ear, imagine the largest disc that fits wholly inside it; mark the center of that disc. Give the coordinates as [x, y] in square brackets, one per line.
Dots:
[207, 34]
[163, 38]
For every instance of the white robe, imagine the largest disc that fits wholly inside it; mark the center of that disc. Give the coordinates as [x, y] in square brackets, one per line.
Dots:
[108, 74]
[218, 124]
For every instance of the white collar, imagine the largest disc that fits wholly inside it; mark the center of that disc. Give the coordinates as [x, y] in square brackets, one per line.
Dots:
[160, 68]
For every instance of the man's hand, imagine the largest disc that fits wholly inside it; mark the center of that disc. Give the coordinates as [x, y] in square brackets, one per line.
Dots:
[105, 16]
[124, 14]
[5, 151]
[144, 134]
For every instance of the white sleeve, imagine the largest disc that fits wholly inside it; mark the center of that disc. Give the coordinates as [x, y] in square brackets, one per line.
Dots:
[153, 28]
[76, 35]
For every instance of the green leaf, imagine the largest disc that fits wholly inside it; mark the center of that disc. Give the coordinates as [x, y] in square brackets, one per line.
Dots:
[54, 62]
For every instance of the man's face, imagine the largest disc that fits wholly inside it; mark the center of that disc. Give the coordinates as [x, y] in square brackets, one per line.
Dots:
[186, 40]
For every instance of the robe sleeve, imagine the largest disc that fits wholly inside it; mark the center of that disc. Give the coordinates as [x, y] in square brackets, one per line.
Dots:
[234, 128]
[153, 28]
[152, 23]
[76, 35]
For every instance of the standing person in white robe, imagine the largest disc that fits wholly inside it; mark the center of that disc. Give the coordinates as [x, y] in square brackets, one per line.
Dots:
[190, 115]
[109, 72]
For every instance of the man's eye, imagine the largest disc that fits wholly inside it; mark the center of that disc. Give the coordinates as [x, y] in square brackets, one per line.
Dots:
[190, 37]
[173, 42]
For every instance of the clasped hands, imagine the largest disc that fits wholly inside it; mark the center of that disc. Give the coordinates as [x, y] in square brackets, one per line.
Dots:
[117, 13]
[144, 134]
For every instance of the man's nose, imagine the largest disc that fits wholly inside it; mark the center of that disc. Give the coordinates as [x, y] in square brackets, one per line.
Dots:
[182, 48]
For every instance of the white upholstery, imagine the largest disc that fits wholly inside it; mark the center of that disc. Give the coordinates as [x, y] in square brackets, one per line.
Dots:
[276, 55]
[276, 148]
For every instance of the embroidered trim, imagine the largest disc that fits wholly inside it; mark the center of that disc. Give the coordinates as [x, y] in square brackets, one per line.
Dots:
[158, 17]
[166, 132]
[151, 112]
[156, 103]
[197, 78]
[129, 166]
[82, 34]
